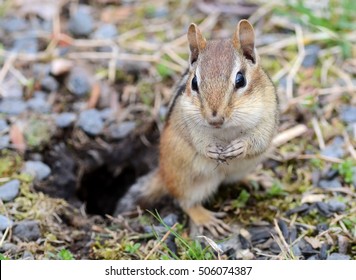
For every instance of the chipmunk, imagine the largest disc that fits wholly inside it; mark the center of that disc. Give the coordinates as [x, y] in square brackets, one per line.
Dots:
[220, 124]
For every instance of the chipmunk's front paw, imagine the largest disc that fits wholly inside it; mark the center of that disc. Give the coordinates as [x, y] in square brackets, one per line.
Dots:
[206, 219]
[236, 149]
[213, 151]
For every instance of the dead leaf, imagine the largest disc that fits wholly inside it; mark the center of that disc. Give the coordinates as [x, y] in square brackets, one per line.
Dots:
[17, 138]
[311, 198]
[116, 14]
[313, 241]
[94, 96]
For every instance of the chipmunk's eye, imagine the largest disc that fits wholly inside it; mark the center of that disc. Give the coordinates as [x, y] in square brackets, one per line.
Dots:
[195, 84]
[240, 80]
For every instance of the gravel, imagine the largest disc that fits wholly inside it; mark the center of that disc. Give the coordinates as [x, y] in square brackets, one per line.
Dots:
[311, 56]
[12, 106]
[336, 206]
[26, 44]
[13, 24]
[119, 131]
[338, 256]
[66, 119]
[39, 104]
[27, 255]
[27, 230]
[323, 209]
[90, 121]
[5, 222]
[78, 82]
[49, 84]
[106, 31]
[170, 219]
[348, 114]
[11, 88]
[4, 142]
[38, 169]
[335, 149]
[3, 125]
[81, 23]
[330, 184]
[9, 190]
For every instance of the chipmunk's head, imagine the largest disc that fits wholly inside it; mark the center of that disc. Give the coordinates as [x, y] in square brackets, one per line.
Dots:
[225, 82]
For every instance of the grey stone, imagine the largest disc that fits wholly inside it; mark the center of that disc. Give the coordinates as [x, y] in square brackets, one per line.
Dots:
[37, 169]
[81, 23]
[296, 250]
[335, 149]
[90, 121]
[4, 142]
[79, 82]
[39, 105]
[26, 44]
[27, 230]
[27, 255]
[11, 88]
[106, 114]
[336, 206]
[106, 31]
[9, 190]
[9, 248]
[338, 256]
[12, 106]
[119, 131]
[323, 209]
[330, 184]
[311, 57]
[3, 125]
[41, 70]
[49, 84]
[170, 219]
[5, 222]
[64, 120]
[348, 114]
[13, 24]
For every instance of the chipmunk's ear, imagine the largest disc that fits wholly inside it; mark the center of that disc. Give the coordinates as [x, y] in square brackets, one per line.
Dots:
[196, 42]
[244, 40]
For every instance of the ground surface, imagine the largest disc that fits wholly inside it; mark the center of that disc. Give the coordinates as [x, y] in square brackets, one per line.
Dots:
[84, 88]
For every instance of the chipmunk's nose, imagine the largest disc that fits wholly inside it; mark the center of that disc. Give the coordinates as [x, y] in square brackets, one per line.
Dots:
[216, 120]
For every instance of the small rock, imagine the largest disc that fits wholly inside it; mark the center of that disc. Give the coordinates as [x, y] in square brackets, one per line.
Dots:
[27, 230]
[106, 31]
[338, 256]
[39, 105]
[323, 251]
[284, 229]
[9, 190]
[170, 219]
[27, 255]
[322, 227]
[49, 84]
[296, 250]
[336, 206]
[323, 209]
[260, 234]
[335, 149]
[91, 122]
[5, 222]
[311, 57]
[81, 23]
[12, 106]
[79, 82]
[9, 248]
[61, 66]
[119, 131]
[306, 248]
[3, 126]
[11, 88]
[330, 184]
[13, 24]
[4, 142]
[26, 44]
[314, 258]
[304, 208]
[37, 169]
[64, 120]
[40, 70]
[106, 114]
[330, 174]
[348, 114]
[343, 243]
[274, 247]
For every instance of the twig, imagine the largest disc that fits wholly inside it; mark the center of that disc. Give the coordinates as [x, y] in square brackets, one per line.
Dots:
[349, 146]
[318, 133]
[330, 159]
[289, 134]
[154, 249]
